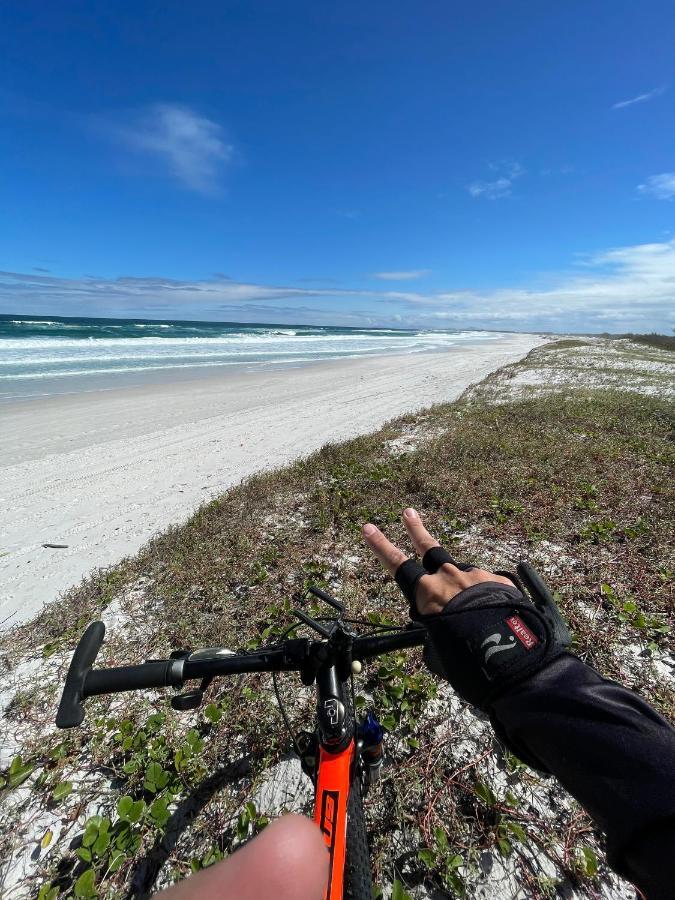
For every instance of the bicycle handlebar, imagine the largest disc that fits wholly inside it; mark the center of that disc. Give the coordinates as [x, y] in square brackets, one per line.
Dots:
[294, 655]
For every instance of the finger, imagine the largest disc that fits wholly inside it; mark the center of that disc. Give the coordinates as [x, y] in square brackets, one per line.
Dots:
[287, 861]
[387, 553]
[420, 537]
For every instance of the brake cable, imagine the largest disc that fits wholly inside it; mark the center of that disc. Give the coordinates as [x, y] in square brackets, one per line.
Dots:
[282, 708]
[275, 683]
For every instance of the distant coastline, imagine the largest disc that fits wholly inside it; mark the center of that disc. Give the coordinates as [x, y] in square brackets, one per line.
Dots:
[47, 355]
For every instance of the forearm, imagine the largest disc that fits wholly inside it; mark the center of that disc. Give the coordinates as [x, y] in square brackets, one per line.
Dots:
[609, 749]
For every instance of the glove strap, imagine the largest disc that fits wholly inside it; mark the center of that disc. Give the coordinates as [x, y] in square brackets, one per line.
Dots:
[434, 558]
[406, 577]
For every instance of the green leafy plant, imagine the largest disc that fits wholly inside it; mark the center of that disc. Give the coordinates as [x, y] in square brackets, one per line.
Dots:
[111, 844]
[514, 766]
[61, 791]
[130, 810]
[639, 528]
[401, 695]
[547, 885]
[85, 886]
[214, 855]
[213, 713]
[156, 778]
[315, 573]
[506, 831]
[485, 793]
[398, 892]
[250, 822]
[628, 612]
[96, 838]
[453, 526]
[17, 772]
[598, 531]
[586, 861]
[159, 811]
[442, 859]
[503, 509]
[187, 758]
[586, 499]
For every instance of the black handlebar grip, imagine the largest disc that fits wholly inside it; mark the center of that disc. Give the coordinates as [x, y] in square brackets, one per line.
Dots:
[156, 673]
[71, 710]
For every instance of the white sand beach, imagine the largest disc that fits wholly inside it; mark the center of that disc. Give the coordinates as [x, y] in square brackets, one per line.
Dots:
[102, 472]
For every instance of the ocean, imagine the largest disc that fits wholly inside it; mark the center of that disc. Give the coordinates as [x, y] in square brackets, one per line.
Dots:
[42, 356]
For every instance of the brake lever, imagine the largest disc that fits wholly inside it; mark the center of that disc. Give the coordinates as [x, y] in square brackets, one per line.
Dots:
[317, 626]
[191, 699]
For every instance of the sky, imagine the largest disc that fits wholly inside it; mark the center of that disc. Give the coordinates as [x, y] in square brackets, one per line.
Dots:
[438, 164]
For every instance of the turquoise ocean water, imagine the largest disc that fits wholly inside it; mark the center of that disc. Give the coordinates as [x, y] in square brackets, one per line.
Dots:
[41, 356]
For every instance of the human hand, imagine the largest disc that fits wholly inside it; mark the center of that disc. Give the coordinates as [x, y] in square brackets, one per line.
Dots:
[287, 861]
[483, 634]
[432, 591]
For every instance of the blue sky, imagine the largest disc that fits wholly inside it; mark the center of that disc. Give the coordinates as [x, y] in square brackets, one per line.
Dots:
[439, 164]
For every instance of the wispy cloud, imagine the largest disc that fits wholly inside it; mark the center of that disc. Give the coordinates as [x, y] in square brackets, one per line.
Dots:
[622, 289]
[348, 213]
[558, 170]
[640, 98]
[406, 275]
[660, 186]
[190, 147]
[499, 187]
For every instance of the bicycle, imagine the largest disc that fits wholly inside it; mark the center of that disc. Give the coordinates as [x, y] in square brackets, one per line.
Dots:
[343, 757]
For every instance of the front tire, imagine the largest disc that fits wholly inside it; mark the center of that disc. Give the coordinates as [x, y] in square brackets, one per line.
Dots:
[358, 880]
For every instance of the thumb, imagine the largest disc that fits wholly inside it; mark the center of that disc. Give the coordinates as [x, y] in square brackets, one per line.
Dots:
[287, 861]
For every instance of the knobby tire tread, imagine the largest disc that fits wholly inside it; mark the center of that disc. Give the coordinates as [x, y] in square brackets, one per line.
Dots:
[358, 881]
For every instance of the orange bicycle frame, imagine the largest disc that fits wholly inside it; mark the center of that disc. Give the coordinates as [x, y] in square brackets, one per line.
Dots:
[330, 812]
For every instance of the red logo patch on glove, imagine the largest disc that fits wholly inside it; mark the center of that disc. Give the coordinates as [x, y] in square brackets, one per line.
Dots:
[522, 632]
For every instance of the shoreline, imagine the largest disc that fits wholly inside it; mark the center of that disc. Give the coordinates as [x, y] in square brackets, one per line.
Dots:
[266, 350]
[103, 472]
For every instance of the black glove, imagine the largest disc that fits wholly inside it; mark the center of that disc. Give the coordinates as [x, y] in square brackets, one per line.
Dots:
[490, 636]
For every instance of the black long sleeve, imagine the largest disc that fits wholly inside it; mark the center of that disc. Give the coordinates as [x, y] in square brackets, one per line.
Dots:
[509, 657]
[612, 752]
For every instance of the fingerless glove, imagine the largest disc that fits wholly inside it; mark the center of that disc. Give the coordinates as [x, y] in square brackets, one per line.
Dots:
[488, 638]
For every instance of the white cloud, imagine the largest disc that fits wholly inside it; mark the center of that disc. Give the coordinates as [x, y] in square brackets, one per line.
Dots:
[660, 186]
[500, 187]
[191, 147]
[641, 98]
[621, 289]
[407, 275]
[491, 190]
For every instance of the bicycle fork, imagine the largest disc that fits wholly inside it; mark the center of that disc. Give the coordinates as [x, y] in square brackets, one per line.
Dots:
[330, 757]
